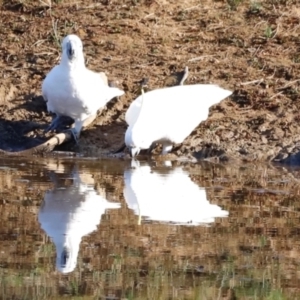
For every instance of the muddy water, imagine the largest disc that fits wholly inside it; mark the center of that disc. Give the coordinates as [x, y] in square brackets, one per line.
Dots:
[99, 229]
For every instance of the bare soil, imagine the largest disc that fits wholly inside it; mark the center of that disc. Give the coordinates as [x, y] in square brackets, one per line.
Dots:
[250, 47]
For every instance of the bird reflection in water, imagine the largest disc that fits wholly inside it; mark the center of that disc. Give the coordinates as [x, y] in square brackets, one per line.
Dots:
[70, 212]
[170, 196]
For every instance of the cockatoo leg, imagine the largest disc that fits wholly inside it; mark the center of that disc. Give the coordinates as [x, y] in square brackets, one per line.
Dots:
[54, 124]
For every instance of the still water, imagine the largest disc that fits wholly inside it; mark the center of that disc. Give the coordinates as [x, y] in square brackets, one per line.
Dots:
[114, 229]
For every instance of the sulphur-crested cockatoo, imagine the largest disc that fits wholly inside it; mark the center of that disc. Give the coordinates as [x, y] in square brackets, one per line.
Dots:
[169, 115]
[70, 89]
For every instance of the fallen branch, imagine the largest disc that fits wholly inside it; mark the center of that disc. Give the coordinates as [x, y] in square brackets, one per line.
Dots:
[44, 148]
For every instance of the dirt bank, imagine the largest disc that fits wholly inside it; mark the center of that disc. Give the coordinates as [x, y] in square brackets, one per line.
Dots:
[249, 47]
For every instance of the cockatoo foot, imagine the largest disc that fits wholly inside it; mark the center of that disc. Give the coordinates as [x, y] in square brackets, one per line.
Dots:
[53, 126]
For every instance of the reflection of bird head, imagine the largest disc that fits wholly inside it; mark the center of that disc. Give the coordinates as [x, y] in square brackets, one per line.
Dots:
[66, 253]
[72, 50]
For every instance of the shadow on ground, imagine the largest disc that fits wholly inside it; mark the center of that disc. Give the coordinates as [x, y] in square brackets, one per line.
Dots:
[19, 135]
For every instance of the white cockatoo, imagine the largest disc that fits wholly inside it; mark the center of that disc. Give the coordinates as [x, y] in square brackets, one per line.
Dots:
[70, 89]
[169, 115]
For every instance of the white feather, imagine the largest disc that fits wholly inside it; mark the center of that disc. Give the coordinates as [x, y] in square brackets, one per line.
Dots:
[68, 214]
[168, 197]
[169, 115]
[71, 89]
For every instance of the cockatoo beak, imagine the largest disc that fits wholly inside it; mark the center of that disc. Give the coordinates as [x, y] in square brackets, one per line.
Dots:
[134, 151]
[70, 50]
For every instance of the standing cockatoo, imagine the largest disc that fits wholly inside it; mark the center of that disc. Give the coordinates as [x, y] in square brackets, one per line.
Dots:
[70, 89]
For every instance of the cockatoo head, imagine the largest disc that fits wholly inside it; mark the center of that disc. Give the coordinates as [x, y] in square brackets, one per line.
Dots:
[72, 49]
[136, 140]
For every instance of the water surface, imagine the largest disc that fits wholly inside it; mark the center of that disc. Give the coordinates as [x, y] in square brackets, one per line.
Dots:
[114, 229]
